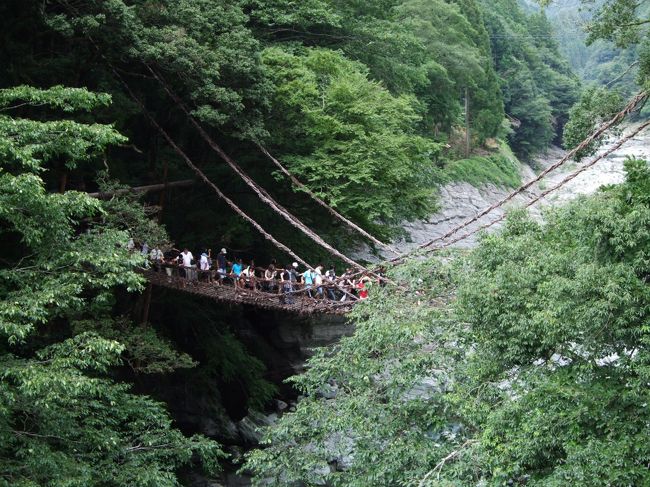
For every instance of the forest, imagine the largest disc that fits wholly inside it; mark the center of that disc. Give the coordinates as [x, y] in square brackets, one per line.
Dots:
[195, 124]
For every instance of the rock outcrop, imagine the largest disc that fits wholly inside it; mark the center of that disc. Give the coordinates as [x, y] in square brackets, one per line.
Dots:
[461, 201]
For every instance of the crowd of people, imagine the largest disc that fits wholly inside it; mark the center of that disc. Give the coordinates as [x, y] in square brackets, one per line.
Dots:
[286, 281]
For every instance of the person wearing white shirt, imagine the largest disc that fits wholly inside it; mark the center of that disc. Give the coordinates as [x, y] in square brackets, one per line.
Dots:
[248, 276]
[204, 262]
[187, 258]
[318, 280]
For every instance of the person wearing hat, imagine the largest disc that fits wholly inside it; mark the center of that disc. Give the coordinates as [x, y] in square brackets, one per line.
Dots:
[221, 264]
[204, 263]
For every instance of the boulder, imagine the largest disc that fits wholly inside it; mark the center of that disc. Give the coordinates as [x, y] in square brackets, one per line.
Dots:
[250, 426]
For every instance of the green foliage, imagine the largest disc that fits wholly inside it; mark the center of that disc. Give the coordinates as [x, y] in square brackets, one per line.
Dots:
[458, 49]
[29, 143]
[143, 350]
[59, 97]
[534, 375]
[296, 16]
[62, 426]
[205, 48]
[597, 61]
[351, 140]
[127, 213]
[498, 169]
[229, 360]
[418, 57]
[386, 423]
[617, 20]
[537, 83]
[62, 420]
[611, 43]
[559, 313]
[596, 106]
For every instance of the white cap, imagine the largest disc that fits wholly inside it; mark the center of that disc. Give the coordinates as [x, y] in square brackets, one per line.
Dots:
[295, 264]
[223, 251]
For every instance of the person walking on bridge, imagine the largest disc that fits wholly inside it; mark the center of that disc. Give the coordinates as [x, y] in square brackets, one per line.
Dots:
[287, 280]
[318, 281]
[248, 276]
[204, 262]
[270, 274]
[236, 271]
[346, 283]
[330, 280]
[186, 258]
[222, 265]
[307, 281]
[362, 286]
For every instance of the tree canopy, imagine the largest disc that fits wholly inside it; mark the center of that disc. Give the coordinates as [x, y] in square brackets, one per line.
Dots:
[63, 419]
[522, 363]
[368, 104]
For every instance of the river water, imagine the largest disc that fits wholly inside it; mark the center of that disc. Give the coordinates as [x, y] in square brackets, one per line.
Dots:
[607, 171]
[461, 201]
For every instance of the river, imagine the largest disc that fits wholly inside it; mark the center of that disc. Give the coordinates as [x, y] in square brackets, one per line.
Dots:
[461, 201]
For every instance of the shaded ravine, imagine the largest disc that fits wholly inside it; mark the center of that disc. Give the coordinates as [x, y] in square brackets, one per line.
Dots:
[228, 342]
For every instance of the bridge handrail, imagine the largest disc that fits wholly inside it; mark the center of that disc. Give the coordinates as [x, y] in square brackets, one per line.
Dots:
[298, 287]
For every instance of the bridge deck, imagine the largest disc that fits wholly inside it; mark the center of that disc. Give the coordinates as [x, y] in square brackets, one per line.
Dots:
[302, 304]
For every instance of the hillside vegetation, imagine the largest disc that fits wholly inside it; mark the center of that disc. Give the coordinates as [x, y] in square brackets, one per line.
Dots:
[365, 103]
[521, 362]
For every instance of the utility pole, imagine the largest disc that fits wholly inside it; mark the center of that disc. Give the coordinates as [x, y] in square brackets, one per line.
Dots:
[467, 134]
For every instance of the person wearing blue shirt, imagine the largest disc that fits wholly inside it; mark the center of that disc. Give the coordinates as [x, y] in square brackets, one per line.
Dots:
[308, 280]
[237, 268]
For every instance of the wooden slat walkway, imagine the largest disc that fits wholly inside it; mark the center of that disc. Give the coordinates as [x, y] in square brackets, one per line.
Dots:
[302, 304]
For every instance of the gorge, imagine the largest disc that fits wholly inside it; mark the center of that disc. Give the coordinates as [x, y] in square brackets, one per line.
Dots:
[321, 134]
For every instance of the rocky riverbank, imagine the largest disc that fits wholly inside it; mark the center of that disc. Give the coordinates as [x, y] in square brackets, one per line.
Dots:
[461, 201]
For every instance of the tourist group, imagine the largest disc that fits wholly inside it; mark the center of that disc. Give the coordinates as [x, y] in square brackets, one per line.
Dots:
[286, 281]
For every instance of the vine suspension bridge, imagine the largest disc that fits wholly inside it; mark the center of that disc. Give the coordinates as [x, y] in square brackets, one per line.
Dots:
[260, 293]
[300, 301]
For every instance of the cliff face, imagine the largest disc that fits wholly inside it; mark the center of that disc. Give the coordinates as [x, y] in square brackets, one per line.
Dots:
[461, 201]
[243, 357]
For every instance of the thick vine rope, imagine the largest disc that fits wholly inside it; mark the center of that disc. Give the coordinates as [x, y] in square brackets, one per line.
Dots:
[296, 182]
[636, 100]
[259, 191]
[202, 175]
[543, 195]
